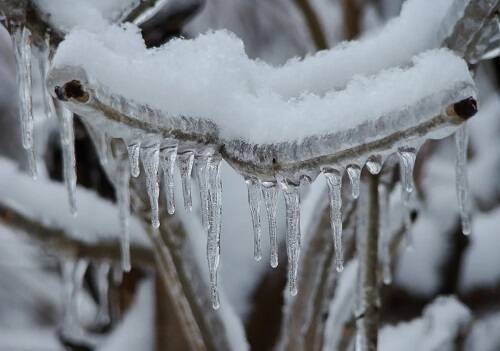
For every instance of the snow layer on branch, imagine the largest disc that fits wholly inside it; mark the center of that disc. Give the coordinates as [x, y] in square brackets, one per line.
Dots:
[45, 201]
[481, 263]
[436, 330]
[212, 78]
[91, 14]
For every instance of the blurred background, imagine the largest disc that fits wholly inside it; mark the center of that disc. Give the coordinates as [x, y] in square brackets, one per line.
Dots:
[51, 300]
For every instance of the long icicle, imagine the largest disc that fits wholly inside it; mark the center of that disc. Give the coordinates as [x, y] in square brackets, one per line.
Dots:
[254, 195]
[123, 198]
[407, 157]
[270, 196]
[291, 193]
[185, 162]
[214, 224]
[201, 166]
[150, 156]
[168, 155]
[354, 173]
[383, 194]
[134, 149]
[461, 181]
[22, 49]
[66, 130]
[334, 181]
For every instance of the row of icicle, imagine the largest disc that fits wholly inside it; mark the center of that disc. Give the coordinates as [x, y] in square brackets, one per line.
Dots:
[161, 156]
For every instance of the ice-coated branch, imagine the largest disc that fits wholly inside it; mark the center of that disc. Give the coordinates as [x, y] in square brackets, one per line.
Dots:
[60, 242]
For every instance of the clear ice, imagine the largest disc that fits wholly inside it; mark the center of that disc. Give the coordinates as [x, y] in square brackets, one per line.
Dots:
[384, 233]
[270, 196]
[254, 198]
[354, 173]
[168, 155]
[150, 156]
[334, 181]
[201, 167]
[461, 181]
[65, 117]
[123, 199]
[44, 64]
[214, 224]
[406, 164]
[22, 50]
[185, 162]
[134, 149]
[291, 193]
[374, 164]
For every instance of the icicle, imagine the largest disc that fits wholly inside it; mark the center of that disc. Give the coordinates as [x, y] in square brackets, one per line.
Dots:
[44, 63]
[270, 196]
[254, 194]
[185, 162]
[354, 173]
[22, 49]
[68, 150]
[384, 232]
[291, 193]
[214, 224]
[334, 181]
[406, 163]
[374, 164]
[168, 154]
[150, 156]
[123, 199]
[133, 155]
[103, 270]
[201, 166]
[461, 181]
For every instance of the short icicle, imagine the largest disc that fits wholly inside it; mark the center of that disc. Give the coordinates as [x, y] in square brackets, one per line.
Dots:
[254, 195]
[123, 199]
[407, 157]
[334, 181]
[65, 118]
[354, 173]
[291, 193]
[150, 156]
[44, 64]
[134, 150]
[22, 49]
[270, 196]
[185, 162]
[374, 164]
[214, 224]
[168, 155]
[461, 181]
[384, 233]
[201, 167]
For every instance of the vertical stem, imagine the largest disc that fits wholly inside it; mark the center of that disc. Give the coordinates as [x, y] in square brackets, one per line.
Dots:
[368, 313]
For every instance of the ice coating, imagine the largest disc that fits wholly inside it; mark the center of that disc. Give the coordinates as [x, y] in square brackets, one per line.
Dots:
[270, 197]
[462, 184]
[334, 182]
[168, 155]
[185, 162]
[150, 156]
[254, 202]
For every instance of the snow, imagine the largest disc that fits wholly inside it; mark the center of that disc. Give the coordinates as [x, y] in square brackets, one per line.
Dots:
[484, 334]
[45, 201]
[481, 264]
[435, 330]
[238, 94]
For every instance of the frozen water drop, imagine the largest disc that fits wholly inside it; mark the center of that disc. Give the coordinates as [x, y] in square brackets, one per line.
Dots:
[168, 155]
[254, 195]
[354, 173]
[134, 150]
[123, 200]
[214, 224]
[150, 156]
[334, 181]
[461, 181]
[67, 133]
[185, 162]
[374, 164]
[270, 196]
[291, 193]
